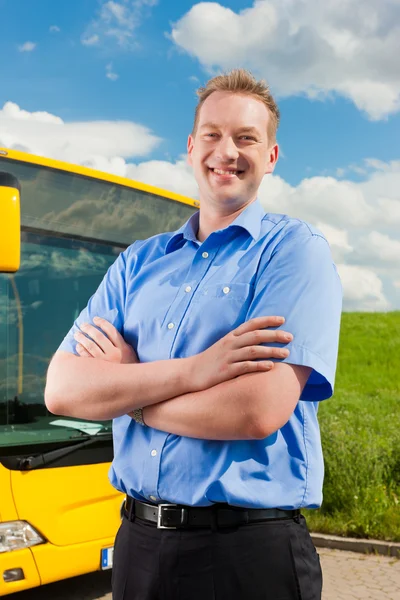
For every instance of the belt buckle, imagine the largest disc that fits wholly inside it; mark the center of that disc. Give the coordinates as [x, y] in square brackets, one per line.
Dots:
[159, 516]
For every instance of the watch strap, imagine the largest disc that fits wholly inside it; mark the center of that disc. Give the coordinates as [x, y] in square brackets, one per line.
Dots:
[137, 415]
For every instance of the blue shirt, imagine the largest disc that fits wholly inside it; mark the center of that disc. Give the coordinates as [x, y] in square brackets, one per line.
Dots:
[171, 297]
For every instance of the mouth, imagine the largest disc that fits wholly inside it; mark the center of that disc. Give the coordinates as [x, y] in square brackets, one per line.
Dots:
[226, 173]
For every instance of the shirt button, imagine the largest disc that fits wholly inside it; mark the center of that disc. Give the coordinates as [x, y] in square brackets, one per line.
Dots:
[205, 255]
[188, 289]
[226, 290]
[154, 452]
[153, 498]
[170, 325]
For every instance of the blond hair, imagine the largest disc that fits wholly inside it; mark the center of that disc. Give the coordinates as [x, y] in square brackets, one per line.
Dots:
[240, 81]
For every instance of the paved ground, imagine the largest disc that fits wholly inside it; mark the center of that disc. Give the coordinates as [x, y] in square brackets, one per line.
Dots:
[347, 576]
[353, 576]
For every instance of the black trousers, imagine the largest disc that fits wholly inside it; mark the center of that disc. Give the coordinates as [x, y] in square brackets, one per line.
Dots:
[272, 560]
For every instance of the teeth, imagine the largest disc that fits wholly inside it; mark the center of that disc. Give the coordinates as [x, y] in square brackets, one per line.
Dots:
[220, 172]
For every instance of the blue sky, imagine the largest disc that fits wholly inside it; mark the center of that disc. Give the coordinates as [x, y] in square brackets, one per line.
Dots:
[333, 69]
[64, 77]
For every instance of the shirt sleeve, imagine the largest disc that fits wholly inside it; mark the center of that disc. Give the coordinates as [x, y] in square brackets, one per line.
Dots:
[108, 302]
[300, 282]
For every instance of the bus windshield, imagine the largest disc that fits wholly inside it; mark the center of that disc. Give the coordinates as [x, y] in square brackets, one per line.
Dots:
[73, 228]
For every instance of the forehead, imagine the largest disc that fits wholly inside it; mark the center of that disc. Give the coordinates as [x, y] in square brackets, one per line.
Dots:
[227, 109]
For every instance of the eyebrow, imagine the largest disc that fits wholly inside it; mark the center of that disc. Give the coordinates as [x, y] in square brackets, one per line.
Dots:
[210, 125]
[252, 130]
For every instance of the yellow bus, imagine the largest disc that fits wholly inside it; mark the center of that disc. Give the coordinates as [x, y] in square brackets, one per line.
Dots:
[58, 512]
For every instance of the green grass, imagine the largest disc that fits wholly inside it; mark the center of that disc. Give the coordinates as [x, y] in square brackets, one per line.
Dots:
[360, 429]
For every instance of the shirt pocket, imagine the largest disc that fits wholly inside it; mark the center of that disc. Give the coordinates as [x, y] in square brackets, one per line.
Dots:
[228, 302]
[213, 312]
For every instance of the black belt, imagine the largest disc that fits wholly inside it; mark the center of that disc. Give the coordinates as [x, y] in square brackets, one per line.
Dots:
[178, 516]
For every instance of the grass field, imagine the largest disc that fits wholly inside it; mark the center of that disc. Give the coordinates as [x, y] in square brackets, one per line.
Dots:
[360, 429]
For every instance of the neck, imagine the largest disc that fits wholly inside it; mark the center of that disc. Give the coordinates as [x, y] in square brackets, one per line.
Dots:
[212, 219]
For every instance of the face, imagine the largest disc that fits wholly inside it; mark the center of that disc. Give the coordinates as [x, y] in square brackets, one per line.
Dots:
[230, 152]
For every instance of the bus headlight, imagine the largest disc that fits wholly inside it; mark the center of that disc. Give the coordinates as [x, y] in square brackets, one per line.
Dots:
[16, 535]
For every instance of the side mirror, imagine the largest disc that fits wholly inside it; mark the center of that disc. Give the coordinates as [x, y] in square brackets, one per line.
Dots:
[10, 227]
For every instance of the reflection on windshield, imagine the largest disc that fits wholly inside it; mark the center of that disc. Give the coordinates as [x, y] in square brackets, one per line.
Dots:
[56, 281]
[62, 202]
[87, 427]
[45, 430]
[58, 275]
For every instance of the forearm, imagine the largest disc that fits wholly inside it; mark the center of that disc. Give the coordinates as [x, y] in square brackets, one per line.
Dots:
[99, 390]
[219, 413]
[252, 406]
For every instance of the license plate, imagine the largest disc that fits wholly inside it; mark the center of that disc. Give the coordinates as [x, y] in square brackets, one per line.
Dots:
[107, 558]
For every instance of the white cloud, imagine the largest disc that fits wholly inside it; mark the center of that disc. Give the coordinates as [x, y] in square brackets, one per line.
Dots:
[177, 177]
[380, 248]
[54, 29]
[311, 47]
[110, 74]
[118, 21]
[27, 47]
[119, 12]
[13, 112]
[90, 41]
[340, 204]
[383, 180]
[338, 240]
[362, 289]
[373, 202]
[78, 142]
[360, 220]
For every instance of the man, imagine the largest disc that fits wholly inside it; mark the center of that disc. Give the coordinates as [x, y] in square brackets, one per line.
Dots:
[220, 415]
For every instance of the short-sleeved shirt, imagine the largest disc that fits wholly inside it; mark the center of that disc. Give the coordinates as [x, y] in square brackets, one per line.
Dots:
[172, 296]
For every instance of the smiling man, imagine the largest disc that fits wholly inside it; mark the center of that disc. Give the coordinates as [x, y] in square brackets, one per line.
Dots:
[231, 148]
[216, 437]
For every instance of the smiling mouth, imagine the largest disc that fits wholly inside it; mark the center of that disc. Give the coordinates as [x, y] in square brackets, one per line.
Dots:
[226, 172]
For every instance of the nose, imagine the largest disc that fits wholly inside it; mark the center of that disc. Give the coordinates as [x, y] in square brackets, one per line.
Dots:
[226, 150]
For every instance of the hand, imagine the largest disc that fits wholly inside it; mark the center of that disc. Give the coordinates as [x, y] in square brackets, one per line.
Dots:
[111, 347]
[237, 353]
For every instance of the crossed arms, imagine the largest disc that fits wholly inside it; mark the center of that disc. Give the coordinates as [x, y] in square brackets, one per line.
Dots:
[228, 392]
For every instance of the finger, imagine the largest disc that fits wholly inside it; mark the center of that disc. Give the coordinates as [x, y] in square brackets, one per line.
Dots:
[258, 352]
[259, 323]
[82, 351]
[112, 332]
[97, 336]
[263, 336]
[251, 366]
[89, 345]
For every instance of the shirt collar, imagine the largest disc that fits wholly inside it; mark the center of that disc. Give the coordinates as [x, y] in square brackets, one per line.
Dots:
[249, 219]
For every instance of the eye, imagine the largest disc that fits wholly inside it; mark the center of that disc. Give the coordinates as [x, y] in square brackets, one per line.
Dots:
[247, 137]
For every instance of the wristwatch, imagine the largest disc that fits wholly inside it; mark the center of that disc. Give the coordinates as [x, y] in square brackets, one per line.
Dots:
[137, 415]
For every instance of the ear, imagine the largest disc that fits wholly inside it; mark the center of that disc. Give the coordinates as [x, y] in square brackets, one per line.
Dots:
[190, 144]
[273, 155]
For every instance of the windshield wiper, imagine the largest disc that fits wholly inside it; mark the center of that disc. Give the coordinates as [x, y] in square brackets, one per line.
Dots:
[28, 463]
